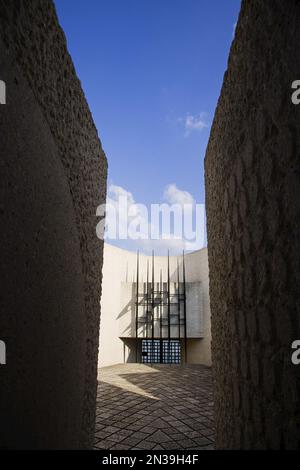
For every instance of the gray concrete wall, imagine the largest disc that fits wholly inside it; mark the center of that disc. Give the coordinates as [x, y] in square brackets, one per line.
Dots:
[53, 176]
[253, 216]
[118, 298]
[194, 307]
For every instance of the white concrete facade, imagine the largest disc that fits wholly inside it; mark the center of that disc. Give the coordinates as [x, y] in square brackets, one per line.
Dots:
[117, 332]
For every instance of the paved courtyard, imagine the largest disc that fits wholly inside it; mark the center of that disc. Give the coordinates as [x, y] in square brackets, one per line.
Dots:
[161, 408]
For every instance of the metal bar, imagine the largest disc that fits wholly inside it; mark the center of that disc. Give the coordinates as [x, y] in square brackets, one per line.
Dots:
[161, 311]
[169, 308]
[137, 306]
[152, 302]
[147, 299]
[178, 299]
[161, 305]
[184, 308]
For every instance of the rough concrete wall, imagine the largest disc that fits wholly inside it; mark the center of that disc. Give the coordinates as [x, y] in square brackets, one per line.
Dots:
[252, 196]
[53, 176]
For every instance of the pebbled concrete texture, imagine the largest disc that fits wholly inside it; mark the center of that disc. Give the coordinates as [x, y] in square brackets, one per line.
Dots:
[253, 216]
[53, 177]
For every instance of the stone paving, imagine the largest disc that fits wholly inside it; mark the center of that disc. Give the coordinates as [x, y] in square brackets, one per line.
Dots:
[161, 408]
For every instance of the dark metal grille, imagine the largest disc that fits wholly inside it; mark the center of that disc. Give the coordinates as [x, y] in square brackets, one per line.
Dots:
[157, 312]
[161, 351]
[171, 352]
[151, 353]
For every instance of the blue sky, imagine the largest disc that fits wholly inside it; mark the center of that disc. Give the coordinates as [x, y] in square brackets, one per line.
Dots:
[151, 71]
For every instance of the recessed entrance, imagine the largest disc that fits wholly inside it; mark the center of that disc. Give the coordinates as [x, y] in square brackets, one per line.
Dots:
[161, 351]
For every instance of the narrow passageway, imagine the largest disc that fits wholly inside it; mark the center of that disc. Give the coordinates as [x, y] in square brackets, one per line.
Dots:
[160, 407]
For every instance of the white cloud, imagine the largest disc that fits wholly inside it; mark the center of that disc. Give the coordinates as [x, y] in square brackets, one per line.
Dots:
[173, 195]
[161, 247]
[124, 215]
[123, 212]
[194, 123]
[115, 192]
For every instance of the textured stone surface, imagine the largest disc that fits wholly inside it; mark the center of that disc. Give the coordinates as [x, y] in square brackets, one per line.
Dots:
[53, 176]
[160, 408]
[252, 196]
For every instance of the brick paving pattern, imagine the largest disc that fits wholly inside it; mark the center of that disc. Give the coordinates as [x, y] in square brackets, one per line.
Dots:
[161, 408]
